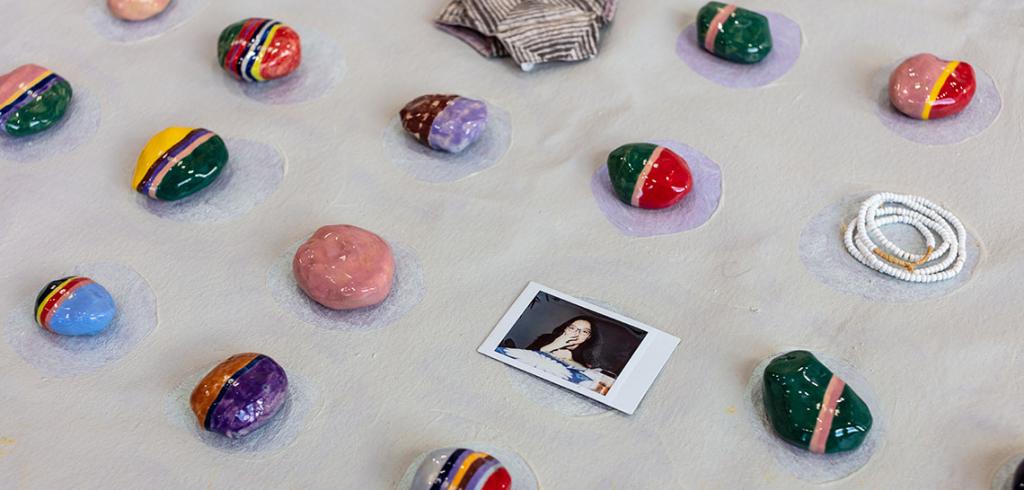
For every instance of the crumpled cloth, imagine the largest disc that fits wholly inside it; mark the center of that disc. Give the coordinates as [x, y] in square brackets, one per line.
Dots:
[529, 31]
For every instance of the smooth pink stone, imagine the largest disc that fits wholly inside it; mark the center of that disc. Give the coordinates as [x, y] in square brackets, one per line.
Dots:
[136, 9]
[344, 267]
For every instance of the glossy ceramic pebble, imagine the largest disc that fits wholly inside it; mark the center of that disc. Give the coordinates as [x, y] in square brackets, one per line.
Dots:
[812, 408]
[649, 176]
[1018, 478]
[135, 10]
[74, 305]
[733, 33]
[344, 267]
[461, 469]
[445, 122]
[257, 50]
[240, 395]
[178, 162]
[926, 87]
[32, 99]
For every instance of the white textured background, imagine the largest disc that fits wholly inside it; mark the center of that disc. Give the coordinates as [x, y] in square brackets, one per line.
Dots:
[947, 372]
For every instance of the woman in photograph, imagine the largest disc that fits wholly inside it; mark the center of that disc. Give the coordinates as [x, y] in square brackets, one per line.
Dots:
[575, 342]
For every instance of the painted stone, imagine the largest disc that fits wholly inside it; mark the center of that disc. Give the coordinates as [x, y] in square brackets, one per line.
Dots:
[649, 176]
[461, 469]
[344, 267]
[178, 162]
[733, 33]
[257, 50]
[135, 10]
[812, 408]
[74, 306]
[32, 99]
[1018, 478]
[926, 87]
[240, 394]
[445, 122]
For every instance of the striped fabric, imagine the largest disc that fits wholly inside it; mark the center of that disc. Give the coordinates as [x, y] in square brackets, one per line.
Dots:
[530, 31]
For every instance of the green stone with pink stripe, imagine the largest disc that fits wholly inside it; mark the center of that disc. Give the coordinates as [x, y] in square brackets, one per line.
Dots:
[810, 407]
[733, 33]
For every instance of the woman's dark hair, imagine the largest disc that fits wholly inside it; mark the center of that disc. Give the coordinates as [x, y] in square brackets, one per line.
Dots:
[586, 353]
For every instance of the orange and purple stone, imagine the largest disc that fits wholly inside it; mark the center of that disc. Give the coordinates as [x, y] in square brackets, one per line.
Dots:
[927, 87]
[257, 50]
[240, 395]
[649, 176]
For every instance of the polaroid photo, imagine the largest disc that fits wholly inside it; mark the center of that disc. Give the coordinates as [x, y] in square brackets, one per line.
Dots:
[580, 346]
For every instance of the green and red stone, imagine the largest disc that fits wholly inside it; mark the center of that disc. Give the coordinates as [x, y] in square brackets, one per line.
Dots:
[812, 408]
[649, 176]
[733, 33]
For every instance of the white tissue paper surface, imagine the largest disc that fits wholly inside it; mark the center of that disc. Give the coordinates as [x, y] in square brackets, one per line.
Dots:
[733, 290]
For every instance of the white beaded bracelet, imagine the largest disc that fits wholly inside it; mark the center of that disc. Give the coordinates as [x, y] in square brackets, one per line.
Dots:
[866, 243]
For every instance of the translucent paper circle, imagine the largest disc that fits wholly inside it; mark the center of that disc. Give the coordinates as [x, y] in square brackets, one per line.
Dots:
[407, 291]
[972, 121]
[786, 44]
[62, 356]
[323, 66]
[1003, 479]
[122, 31]
[78, 125]
[824, 254]
[553, 396]
[430, 165]
[693, 211]
[280, 432]
[254, 171]
[803, 464]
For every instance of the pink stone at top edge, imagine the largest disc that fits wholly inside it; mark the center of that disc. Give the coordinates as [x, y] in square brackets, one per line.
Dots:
[344, 267]
[136, 9]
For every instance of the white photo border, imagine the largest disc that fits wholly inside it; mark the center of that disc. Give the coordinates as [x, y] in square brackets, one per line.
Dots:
[630, 386]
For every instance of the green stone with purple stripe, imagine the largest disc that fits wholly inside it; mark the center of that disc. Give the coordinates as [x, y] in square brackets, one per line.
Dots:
[36, 107]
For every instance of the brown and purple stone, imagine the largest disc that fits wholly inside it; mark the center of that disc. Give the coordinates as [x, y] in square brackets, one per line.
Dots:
[240, 395]
[445, 122]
